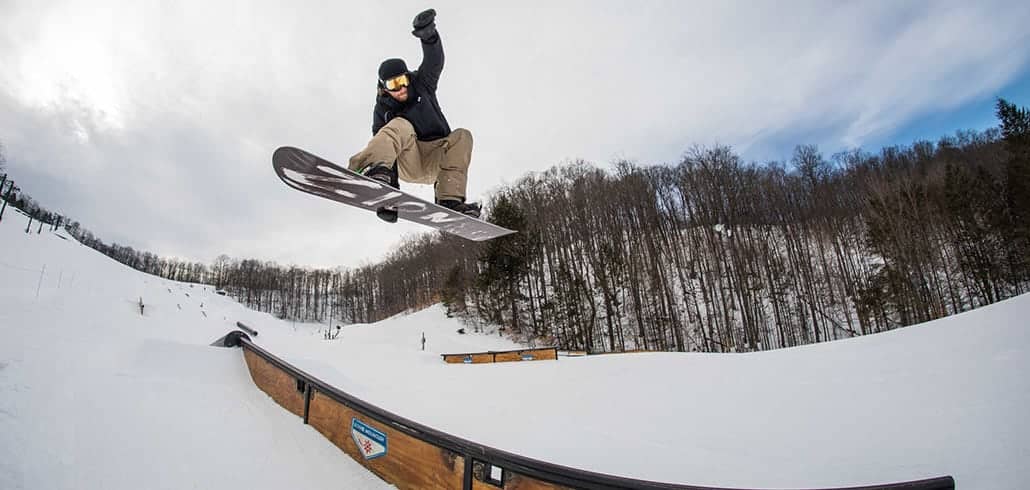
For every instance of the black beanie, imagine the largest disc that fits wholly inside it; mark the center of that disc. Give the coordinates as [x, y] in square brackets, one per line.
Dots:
[392, 68]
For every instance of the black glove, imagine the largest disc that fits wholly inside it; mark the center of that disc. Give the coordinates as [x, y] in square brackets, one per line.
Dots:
[425, 26]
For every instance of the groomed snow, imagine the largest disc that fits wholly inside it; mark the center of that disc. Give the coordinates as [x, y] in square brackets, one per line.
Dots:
[94, 395]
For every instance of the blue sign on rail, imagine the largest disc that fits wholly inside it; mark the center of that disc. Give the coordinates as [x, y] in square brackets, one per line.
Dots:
[371, 442]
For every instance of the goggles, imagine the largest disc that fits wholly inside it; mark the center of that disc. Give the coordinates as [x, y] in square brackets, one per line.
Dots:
[396, 83]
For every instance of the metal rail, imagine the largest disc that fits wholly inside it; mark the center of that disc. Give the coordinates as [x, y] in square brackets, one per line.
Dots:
[247, 329]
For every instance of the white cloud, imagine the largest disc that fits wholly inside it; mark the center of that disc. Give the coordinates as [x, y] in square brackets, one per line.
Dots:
[153, 122]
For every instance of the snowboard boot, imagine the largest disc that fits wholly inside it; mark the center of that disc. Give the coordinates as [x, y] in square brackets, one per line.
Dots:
[467, 208]
[386, 174]
[382, 172]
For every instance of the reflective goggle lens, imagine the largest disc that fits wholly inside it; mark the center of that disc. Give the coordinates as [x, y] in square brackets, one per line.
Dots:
[394, 84]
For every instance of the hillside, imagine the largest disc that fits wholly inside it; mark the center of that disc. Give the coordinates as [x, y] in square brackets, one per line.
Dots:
[95, 395]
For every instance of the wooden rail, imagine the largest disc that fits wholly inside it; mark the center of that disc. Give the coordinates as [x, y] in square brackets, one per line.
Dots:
[410, 455]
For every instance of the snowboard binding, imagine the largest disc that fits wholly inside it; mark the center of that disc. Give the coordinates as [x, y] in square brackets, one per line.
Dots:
[386, 214]
[387, 174]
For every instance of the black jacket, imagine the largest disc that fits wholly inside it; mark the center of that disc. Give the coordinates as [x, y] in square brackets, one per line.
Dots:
[421, 109]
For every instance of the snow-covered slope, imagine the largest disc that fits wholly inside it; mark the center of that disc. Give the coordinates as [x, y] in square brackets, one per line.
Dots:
[94, 395]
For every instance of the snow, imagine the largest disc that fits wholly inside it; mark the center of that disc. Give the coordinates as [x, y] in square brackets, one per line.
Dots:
[94, 395]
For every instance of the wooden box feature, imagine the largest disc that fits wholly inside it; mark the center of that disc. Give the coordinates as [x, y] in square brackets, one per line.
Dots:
[483, 480]
[512, 356]
[476, 358]
[285, 389]
[407, 454]
[394, 456]
[517, 483]
[544, 354]
[573, 353]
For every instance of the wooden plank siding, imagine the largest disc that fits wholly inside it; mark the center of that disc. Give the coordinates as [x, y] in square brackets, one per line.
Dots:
[542, 354]
[409, 463]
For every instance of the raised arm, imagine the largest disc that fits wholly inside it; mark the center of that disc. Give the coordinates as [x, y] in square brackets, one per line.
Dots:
[432, 49]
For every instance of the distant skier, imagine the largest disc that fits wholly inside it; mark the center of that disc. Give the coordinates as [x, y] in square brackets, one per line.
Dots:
[411, 140]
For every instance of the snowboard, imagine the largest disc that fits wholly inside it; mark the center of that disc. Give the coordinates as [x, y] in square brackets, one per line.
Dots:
[312, 174]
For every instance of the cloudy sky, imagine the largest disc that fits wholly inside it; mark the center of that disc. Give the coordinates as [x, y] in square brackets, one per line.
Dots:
[153, 122]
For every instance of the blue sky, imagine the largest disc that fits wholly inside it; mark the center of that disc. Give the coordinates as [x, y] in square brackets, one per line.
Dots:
[975, 114]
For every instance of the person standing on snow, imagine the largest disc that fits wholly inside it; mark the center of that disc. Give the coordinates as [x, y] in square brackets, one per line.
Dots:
[411, 140]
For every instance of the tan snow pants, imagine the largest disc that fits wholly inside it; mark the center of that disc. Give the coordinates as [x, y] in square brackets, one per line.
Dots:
[443, 162]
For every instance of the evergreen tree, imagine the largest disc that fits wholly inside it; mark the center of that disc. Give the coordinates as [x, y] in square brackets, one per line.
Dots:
[1015, 128]
[506, 260]
[974, 206]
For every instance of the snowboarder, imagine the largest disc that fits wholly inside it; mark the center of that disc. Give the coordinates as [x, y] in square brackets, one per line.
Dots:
[411, 140]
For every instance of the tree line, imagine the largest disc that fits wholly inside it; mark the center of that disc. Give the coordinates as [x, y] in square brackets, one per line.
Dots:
[150, 263]
[711, 254]
[716, 254]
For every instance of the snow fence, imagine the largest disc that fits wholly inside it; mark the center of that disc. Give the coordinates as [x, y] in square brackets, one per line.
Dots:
[410, 455]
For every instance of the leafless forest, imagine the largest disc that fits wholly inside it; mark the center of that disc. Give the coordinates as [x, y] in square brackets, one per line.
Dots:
[712, 254]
